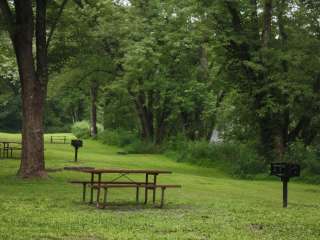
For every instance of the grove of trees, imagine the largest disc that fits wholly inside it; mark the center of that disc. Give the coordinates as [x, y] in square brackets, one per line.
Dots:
[247, 68]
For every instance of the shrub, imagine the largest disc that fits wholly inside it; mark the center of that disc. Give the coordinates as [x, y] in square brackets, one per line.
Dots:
[247, 162]
[82, 129]
[117, 137]
[238, 159]
[140, 147]
[58, 129]
[128, 140]
[307, 156]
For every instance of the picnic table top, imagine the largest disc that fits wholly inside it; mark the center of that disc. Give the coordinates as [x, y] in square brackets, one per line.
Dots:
[114, 170]
[9, 141]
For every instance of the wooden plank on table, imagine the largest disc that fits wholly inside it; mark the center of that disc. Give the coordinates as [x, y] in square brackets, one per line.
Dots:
[147, 171]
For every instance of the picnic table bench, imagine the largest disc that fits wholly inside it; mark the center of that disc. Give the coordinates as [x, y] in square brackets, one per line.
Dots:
[58, 139]
[100, 185]
[163, 187]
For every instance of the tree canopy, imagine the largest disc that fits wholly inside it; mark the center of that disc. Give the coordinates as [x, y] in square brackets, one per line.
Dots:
[248, 68]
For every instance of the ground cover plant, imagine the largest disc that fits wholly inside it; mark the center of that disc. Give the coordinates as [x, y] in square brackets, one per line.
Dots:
[211, 205]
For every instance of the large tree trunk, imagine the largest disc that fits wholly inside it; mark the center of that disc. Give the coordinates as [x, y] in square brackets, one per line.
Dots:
[32, 162]
[33, 79]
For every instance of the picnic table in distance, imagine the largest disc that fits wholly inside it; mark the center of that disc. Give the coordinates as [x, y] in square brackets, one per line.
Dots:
[9, 146]
[98, 184]
[58, 139]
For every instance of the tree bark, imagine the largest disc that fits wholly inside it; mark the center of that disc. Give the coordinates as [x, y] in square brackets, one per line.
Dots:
[94, 96]
[267, 17]
[32, 162]
[145, 118]
[33, 77]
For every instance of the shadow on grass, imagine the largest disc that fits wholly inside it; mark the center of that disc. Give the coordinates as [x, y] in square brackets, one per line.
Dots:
[134, 207]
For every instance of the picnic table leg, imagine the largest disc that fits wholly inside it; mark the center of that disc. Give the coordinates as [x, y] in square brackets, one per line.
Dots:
[98, 198]
[146, 189]
[6, 150]
[154, 189]
[84, 192]
[162, 196]
[99, 182]
[92, 180]
[105, 197]
[137, 194]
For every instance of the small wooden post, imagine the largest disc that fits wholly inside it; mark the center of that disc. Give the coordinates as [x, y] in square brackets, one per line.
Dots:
[285, 192]
[76, 154]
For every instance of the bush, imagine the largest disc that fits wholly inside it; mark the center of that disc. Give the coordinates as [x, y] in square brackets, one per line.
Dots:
[117, 137]
[128, 140]
[82, 129]
[139, 147]
[248, 162]
[58, 129]
[307, 156]
[238, 159]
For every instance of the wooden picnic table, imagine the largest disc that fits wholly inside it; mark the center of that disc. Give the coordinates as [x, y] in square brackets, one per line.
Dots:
[7, 145]
[123, 173]
[58, 139]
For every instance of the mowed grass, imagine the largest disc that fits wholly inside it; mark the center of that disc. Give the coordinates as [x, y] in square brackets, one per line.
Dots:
[210, 205]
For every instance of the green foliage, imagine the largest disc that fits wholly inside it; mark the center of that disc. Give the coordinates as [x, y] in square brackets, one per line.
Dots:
[82, 129]
[10, 101]
[308, 157]
[142, 147]
[128, 140]
[184, 67]
[238, 159]
[117, 137]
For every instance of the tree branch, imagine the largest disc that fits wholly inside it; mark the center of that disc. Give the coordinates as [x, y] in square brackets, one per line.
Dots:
[233, 9]
[90, 73]
[55, 23]
[304, 122]
[7, 16]
[41, 47]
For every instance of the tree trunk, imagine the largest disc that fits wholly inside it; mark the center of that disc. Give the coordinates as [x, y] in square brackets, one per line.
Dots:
[33, 79]
[94, 96]
[145, 118]
[267, 18]
[32, 162]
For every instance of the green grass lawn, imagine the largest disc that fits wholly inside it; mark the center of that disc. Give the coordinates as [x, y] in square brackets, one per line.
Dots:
[210, 205]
